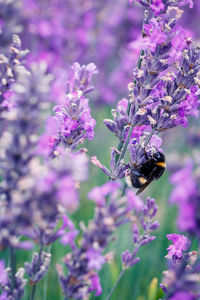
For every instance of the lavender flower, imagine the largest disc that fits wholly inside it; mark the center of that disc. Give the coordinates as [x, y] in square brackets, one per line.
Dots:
[37, 272]
[9, 64]
[180, 244]
[84, 32]
[146, 219]
[72, 122]
[20, 138]
[10, 23]
[187, 198]
[84, 261]
[12, 289]
[53, 194]
[181, 279]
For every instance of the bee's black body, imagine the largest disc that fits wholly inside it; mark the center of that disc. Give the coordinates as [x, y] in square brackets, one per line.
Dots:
[151, 169]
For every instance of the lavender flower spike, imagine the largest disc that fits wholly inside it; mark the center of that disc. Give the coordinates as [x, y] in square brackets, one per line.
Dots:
[18, 148]
[37, 272]
[148, 212]
[181, 280]
[6, 284]
[72, 123]
[84, 261]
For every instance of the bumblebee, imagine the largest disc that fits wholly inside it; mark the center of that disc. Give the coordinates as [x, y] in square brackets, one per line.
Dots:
[153, 168]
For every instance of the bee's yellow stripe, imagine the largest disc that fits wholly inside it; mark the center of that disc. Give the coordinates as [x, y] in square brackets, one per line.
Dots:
[161, 164]
[142, 180]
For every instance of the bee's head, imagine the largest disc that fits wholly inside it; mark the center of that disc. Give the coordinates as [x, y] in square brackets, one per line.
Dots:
[159, 157]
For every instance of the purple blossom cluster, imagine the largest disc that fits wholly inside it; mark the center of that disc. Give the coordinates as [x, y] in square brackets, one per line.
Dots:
[34, 197]
[9, 22]
[84, 261]
[180, 281]
[149, 211]
[18, 142]
[12, 289]
[72, 122]
[9, 64]
[186, 197]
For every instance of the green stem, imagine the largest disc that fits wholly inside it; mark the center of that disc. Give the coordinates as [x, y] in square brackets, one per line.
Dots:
[140, 59]
[124, 189]
[125, 145]
[149, 137]
[46, 278]
[119, 148]
[12, 266]
[129, 106]
[32, 297]
[116, 284]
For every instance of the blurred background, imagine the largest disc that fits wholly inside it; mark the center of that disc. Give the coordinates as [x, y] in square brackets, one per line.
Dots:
[107, 33]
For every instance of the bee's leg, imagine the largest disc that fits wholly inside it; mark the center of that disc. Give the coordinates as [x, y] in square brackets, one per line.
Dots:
[126, 165]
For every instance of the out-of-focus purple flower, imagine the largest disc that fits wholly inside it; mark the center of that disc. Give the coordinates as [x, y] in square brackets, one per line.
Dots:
[95, 259]
[84, 260]
[180, 244]
[189, 187]
[10, 62]
[37, 271]
[84, 32]
[186, 197]
[3, 273]
[22, 123]
[134, 202]
[3, 296]
[157, 6]
[53, 194]
[95, 284]
[146, 216]
[180, 281]
[70, 236]
[185, 2]
[10, 22]
[19, 284]
[182, 296]
[99, 193]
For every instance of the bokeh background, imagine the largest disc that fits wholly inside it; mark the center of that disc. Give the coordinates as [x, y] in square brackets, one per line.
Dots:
[61, 32]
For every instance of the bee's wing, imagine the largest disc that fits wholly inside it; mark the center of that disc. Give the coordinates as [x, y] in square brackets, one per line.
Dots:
[151, 178]
[144, 186]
